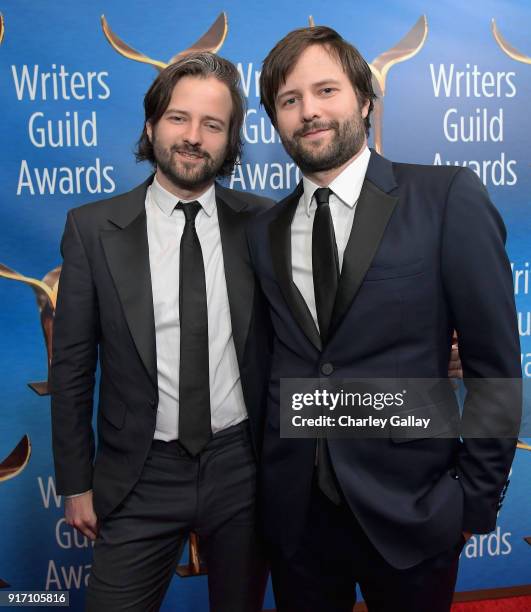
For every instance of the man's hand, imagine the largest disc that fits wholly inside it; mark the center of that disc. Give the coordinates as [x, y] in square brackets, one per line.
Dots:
[79, 513]
[455, 369]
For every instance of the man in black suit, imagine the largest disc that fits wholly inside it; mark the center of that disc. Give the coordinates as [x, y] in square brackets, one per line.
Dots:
[158, 282]
[368, 267]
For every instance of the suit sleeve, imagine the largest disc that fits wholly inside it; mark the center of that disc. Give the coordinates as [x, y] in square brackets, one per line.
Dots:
[478, 285]
[74, 357]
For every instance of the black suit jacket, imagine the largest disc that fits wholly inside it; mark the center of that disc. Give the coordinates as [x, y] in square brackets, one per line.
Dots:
[425, 256]
[105, 309]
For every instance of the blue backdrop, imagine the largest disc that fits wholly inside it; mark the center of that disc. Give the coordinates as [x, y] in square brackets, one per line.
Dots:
[71, 114]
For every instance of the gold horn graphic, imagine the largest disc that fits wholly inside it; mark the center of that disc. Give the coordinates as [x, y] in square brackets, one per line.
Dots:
[46, 294]
[405, 49]
[1, 33]
[125, 50]
[211, 41]
[506, 47]
[195, 565]
[17, 459]
[11, 466]
[524, 446]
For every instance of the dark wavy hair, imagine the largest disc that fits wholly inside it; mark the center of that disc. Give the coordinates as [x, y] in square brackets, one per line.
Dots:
[158, 96]
[282, 58]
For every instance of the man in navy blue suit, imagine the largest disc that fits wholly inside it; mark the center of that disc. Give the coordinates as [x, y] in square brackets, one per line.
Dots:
[368, 267]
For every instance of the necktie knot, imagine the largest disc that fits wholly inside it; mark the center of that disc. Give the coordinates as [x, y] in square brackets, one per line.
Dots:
[322, 195]
[190, 210]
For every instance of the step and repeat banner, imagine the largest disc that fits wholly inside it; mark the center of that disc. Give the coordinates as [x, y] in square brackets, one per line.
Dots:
[454, 85]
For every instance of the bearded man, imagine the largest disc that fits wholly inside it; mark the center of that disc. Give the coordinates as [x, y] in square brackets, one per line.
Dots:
[368, 267]
[158, 282]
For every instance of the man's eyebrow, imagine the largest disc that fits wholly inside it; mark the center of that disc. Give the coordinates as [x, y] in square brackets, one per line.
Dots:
[289, 92]
[322, 83]
[175, 110]
[168, 111]
[326, 82]
[213, 118]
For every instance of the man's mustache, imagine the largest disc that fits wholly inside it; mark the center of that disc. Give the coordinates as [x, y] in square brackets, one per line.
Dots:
[190, 149]
[314, 126]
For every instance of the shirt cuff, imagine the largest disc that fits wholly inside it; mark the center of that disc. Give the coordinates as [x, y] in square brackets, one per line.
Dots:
[77, 494]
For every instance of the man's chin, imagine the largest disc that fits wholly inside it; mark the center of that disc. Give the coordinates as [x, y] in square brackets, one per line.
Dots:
[190, 180]
[190, 183]
[314, 151]
[316, 163]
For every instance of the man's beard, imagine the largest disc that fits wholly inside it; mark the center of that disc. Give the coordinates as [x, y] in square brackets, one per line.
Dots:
[346, 142]
[183, 175]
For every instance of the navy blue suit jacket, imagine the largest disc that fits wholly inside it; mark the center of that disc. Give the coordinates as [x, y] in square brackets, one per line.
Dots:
[426, 255]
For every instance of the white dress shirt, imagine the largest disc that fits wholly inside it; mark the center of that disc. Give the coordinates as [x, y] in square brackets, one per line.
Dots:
[346, 190]
[164, 229]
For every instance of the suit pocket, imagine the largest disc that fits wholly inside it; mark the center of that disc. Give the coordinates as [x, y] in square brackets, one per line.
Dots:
[113, 411]
[443, 422]
[387, 272]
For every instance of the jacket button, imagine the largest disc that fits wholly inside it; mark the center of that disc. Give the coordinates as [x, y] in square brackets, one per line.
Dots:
[152, 403]
[327, 369]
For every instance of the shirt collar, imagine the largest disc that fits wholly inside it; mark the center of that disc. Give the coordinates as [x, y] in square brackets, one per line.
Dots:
[346, 186]
[167, 201]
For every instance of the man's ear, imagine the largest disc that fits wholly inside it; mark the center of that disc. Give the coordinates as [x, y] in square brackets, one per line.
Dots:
[149, 130]
[365, 109]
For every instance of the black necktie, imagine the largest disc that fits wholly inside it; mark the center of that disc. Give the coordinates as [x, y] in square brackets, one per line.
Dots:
[194, 387]
[325, 262]
[325, 265]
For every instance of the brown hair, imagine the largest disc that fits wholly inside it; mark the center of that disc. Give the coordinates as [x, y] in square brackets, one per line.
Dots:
[282, 58]
[201, 65]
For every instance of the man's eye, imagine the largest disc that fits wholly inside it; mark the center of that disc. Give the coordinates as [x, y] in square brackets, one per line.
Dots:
[327, 90]
[213, 126]
[289, 102]
[176, 118]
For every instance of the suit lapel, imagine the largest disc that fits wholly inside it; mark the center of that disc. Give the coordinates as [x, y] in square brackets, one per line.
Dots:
[127, 253]
[280, 241]
[374, 209]
[239, 275]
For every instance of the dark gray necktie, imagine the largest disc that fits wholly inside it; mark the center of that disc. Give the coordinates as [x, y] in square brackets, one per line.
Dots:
[325, 265]
[194, 388]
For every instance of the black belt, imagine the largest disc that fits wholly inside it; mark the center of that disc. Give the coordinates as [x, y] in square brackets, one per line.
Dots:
[220, 438]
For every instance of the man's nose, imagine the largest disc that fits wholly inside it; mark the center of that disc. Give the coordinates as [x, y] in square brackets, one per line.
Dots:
[193, 133]
[309, 109]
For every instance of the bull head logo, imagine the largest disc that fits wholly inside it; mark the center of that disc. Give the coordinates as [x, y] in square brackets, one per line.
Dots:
[405, 49]
[211, 41]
